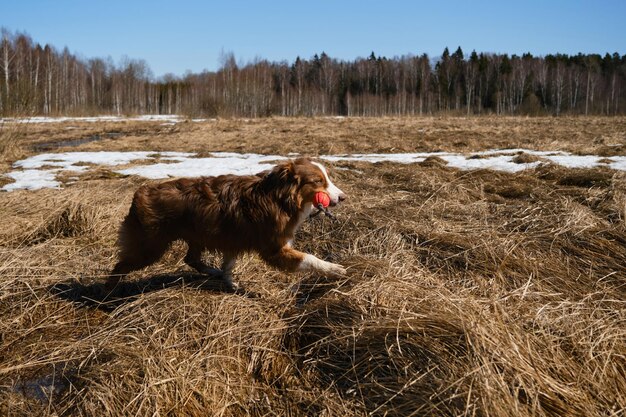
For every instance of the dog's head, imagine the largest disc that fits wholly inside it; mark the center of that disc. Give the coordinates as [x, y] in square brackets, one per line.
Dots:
[305, 178]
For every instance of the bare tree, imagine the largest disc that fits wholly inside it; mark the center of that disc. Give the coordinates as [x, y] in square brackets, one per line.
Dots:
[7, 55]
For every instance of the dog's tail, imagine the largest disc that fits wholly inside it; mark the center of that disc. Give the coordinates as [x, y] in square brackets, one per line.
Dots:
[138, 247]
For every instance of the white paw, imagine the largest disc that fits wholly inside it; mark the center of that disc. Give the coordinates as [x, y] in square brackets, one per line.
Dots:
[336, 269]
[311, 263]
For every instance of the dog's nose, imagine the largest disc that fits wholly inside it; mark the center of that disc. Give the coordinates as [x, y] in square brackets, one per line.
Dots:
[342, 197]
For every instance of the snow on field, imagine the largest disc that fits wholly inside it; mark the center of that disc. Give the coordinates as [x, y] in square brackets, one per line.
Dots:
[40, 171]
[219, 164]
[167, 119]
[68, 160]
[32, 179]
[143, 118]
[497, 159]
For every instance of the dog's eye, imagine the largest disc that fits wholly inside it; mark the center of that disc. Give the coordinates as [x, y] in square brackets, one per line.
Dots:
[318, 181]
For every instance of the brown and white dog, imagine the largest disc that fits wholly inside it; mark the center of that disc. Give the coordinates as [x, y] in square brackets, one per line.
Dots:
[230, 214]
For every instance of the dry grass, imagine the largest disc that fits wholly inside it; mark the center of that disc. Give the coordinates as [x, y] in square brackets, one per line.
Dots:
[11, 141]
[468, 293]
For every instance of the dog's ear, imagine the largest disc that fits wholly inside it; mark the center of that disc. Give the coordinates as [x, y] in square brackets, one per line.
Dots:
[284, 181]
[283, 173]
[285, 170]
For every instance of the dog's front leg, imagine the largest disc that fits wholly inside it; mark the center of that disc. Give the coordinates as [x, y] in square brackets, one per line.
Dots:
[291, 260]
[313, 263]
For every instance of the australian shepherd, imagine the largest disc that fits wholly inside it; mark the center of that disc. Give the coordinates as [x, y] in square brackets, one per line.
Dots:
[230, 214]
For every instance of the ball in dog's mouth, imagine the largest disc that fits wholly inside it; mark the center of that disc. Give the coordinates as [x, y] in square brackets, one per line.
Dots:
[321, 198]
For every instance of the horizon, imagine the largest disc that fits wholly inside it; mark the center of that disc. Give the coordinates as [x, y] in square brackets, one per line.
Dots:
[175, 41]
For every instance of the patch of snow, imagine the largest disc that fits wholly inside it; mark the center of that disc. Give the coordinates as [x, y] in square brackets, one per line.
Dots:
[497, 163]
[400, 158]
[157, 117]
[461, 161]
[172, 118]
[574, 161]
[67, 160]
[31, 174]
[513, 151]
[220, 163]
[32, 179]
[174, 156]
[496, 159]
[619, 163]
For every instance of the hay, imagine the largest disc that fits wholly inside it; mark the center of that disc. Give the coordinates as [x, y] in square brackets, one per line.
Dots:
[587, 178]
[467, 293]
[433, 161]
[11, 141]
[69, 221]
[526, 158]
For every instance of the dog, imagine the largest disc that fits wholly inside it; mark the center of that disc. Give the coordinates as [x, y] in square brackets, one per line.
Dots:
[230, 214]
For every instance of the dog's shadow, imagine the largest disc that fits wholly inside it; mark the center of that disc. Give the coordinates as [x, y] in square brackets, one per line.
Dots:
[97, 296]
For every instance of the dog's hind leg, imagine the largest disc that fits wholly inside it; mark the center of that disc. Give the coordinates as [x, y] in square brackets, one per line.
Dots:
[194, 258]
[228, 263]
[134, 257]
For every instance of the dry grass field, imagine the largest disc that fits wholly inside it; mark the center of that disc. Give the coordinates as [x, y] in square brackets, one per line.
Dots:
[476, 293]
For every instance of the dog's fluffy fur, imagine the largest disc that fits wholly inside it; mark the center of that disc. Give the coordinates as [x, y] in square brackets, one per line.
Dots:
[229, 214]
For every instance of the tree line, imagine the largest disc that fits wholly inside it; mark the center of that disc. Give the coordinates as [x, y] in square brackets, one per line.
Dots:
[41, 80]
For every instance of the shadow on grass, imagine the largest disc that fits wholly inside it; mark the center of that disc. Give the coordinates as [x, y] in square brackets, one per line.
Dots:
[96, 296]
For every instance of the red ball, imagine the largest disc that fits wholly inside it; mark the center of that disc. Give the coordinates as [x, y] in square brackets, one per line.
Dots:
[321, 198]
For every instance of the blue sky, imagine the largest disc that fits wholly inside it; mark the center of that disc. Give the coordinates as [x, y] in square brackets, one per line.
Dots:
[179, 35]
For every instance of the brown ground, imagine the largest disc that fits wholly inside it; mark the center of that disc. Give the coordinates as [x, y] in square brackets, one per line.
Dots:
[468, 293]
